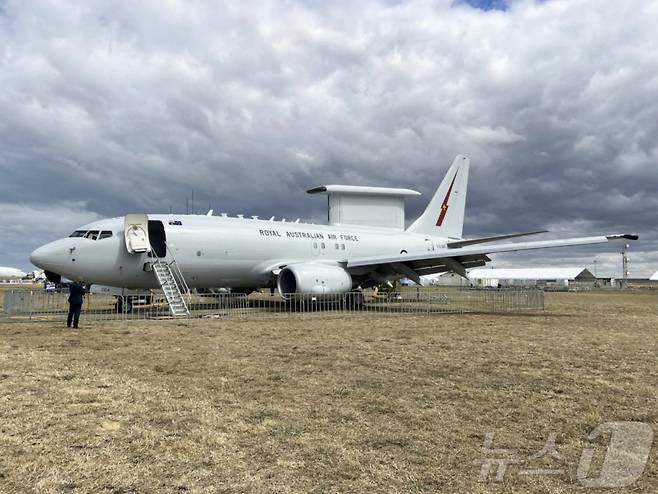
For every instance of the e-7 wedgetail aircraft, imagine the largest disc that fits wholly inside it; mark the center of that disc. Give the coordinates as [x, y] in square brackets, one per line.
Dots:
[364, 243]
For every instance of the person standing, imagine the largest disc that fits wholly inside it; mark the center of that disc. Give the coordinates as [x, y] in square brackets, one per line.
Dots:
[76, 297]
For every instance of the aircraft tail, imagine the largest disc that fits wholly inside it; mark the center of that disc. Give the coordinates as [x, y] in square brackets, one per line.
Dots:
[444, 215]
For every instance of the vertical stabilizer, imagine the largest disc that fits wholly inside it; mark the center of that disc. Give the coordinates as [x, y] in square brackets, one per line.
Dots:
[444, 215]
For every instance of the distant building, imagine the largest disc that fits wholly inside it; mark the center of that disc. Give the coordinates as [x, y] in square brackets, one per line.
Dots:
[548, 278]
[445, 279]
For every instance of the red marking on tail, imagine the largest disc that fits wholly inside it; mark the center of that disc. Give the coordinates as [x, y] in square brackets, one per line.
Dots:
[444, 206]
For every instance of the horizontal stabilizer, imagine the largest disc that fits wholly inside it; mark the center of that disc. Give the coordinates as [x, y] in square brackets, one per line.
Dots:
[484, 240]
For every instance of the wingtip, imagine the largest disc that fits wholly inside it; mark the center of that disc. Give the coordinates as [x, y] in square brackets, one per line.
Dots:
[625, 236]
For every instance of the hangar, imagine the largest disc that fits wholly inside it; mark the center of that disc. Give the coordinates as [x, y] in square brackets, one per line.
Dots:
[550, 278]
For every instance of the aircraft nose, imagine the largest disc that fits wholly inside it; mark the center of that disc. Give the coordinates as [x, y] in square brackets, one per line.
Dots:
[46, 257]
[36, 257]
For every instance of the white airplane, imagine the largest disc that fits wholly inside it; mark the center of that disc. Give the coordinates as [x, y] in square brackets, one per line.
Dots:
[364, 243]
[11, 273]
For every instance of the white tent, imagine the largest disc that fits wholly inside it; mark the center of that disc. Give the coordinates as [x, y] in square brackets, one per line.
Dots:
[444, 279]
[654, 277]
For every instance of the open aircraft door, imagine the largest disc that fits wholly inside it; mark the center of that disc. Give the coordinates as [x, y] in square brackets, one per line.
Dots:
[136, 231]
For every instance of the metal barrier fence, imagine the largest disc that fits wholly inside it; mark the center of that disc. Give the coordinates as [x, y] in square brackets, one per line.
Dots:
[38, 304]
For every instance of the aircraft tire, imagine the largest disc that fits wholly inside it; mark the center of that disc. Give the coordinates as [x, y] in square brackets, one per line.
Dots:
[124, 306]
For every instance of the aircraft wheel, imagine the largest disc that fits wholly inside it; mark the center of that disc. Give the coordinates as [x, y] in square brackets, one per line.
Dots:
[124, 305]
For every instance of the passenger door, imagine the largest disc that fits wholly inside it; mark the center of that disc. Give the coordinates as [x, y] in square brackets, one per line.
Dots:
[158, 238]
[136, 232]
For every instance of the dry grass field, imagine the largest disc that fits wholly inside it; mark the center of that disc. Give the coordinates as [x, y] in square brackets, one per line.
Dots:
[325, 404]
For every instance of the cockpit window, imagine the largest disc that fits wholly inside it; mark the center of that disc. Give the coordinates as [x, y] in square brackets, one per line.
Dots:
[92, 234]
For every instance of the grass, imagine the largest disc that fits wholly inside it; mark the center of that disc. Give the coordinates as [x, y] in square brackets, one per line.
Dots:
[363, 403]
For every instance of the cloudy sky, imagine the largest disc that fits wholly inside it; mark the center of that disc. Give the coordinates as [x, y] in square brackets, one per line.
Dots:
[108, 107]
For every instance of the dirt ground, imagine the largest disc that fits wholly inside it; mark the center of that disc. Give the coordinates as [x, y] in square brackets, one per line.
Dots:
[326, 404]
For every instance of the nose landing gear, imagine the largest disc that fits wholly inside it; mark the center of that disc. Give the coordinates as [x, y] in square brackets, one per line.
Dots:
[53, 277]
[124, 304]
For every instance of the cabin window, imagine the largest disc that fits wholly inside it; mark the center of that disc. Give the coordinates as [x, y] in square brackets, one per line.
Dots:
[92, 234]
[337, 246]
[78, 233]
[342, 246]
[105, 234]
[322, 245]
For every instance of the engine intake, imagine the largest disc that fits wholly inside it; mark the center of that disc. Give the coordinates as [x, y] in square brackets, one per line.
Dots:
[317, 279]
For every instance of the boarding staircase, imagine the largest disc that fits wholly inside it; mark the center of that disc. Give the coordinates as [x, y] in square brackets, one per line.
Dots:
[171, 281]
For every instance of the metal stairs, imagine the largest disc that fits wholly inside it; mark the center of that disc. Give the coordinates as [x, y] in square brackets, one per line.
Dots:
[171, 290]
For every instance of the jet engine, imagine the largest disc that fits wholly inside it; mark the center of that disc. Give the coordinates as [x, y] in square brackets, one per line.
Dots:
[313, 278]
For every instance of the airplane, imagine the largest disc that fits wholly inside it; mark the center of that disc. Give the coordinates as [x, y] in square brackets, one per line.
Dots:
[364, 243]
[11, 273]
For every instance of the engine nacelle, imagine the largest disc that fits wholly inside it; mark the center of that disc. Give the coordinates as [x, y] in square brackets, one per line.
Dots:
[318, 279]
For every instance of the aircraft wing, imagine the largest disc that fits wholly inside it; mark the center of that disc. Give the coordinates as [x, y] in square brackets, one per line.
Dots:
[474, 241]
[379, 268]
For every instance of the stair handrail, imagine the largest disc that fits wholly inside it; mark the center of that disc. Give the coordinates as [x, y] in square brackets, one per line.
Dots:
[176, 271]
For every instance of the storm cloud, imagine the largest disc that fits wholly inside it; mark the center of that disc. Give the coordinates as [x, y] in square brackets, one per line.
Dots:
[116, 107]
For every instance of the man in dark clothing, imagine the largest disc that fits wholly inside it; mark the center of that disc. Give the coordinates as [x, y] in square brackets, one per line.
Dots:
[76, 297]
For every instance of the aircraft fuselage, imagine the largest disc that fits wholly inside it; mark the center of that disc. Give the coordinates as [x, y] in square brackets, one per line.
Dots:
[215, 251]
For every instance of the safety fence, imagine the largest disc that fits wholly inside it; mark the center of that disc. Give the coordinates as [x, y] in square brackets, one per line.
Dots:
[38, 304]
